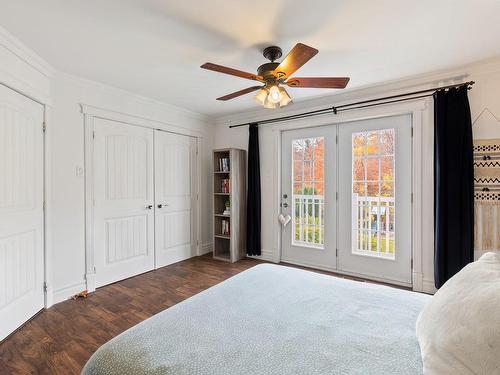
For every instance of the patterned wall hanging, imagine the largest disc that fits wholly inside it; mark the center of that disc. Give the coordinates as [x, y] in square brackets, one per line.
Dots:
[487, 195]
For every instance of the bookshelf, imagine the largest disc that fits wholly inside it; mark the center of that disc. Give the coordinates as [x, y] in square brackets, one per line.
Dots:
[229, 204]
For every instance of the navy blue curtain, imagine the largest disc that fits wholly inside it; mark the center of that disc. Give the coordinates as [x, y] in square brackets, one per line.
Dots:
[253, 194]
[453, 184]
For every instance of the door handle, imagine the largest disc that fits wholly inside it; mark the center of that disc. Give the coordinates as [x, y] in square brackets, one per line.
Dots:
[285, 205]
[160, 205]
[149, 207]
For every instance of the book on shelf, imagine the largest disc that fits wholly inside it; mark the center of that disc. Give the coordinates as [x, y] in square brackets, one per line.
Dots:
[225, 186]
[225, 227]
[224, 165]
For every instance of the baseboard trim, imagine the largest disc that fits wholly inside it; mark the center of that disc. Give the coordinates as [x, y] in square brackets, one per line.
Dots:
[266, 255]
[67, 292]
[206, 248]
[428, 286]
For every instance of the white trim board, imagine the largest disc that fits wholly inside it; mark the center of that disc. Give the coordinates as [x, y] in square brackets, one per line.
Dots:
[107, 114]
[206, 248]
[90, 113]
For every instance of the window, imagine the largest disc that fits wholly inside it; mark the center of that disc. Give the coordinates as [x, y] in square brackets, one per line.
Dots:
[373, 179]
[308, 192]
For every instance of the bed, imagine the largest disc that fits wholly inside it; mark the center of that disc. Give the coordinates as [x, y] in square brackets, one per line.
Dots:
[274, 319]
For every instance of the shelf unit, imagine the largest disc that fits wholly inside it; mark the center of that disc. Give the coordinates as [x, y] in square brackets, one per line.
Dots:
[229, 245]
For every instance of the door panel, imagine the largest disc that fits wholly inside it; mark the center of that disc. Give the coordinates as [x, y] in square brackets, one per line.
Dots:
[375, 198]
[308, 196]
[174, 197]
[123, 192]
[21, 210]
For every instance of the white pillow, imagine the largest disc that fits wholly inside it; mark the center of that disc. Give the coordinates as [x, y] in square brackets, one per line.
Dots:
[459, 330]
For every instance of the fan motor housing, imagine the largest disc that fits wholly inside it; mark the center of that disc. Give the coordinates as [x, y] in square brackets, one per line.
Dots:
[266, 70]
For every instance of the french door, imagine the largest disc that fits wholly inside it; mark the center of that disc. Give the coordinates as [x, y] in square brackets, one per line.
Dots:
[21, 210]
[308, 196]
[347, 190]
[375, 198]
[175, 164]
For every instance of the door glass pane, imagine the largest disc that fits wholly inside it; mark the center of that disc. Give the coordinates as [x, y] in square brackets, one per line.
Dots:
[308, 189]
[373, 180]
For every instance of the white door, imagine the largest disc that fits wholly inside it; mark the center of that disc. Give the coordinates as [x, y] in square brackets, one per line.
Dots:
[175, 157]
[21, 210]
[308, 197]
[124, 202]
[375, 199]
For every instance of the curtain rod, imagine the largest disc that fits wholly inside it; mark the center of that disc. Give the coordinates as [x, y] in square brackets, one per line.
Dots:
[359, 105]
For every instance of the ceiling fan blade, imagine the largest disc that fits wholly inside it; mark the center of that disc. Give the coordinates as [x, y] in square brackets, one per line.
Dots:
[231, 71]
[298, 56]
[239, 93]
[319, 82]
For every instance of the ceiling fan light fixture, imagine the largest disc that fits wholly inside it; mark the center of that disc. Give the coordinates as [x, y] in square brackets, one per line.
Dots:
[270, 104]
[261, 96]
[275, 94]
[285, 98]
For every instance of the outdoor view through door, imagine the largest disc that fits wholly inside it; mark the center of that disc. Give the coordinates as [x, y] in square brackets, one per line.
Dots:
[308, 189]
[373, 193]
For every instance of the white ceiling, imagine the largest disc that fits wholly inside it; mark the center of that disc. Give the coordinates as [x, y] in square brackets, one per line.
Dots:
[155, 47]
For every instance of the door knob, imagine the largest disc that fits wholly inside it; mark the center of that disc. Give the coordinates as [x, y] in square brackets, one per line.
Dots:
[149, 207]
[160, 205]
[285, 205]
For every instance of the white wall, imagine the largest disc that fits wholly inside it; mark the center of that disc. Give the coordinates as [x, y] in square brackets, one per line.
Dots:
[62, 94]
[65, 133]
[484, 94]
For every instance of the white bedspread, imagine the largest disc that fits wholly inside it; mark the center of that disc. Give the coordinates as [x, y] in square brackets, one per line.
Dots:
[274, 320]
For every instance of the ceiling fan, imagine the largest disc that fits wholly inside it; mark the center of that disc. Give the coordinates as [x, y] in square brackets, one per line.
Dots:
[274, 75]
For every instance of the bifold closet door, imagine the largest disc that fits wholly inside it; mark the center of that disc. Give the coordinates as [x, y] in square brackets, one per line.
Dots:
[124, 201]
[21, 210]
[175, 157]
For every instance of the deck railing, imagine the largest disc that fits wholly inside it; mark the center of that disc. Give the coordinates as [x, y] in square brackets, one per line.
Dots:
[372, 223]
[373, 226]
[308, 220]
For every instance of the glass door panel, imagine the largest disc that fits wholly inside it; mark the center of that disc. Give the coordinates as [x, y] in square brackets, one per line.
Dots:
[308, 192]
[375, 193]
[309, 237]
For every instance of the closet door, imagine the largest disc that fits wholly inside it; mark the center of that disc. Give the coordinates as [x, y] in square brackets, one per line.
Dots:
[124, 206]
[21, 210]
[175, 157]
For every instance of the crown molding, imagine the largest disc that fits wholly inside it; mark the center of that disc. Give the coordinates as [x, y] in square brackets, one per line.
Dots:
[164, 107]
[26, 54]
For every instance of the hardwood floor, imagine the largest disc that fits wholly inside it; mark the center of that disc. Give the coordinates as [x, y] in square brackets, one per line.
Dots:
[61, 339]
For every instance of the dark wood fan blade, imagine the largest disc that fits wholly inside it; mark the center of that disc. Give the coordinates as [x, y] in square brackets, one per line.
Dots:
[231, 71]
[298, 56]
[239, 93]
[319, 82]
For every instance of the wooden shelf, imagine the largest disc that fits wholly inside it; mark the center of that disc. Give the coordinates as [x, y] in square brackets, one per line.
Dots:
[229, 248]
